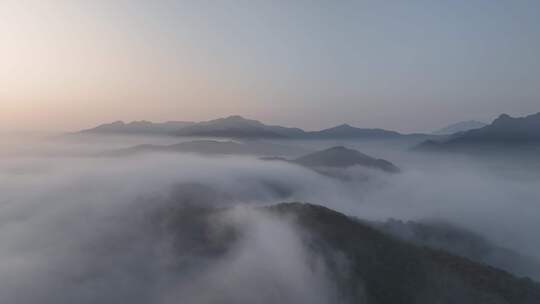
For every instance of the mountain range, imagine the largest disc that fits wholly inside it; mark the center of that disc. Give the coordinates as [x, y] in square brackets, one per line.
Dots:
[242, 128]
[504, 133]
[238, 127]
[139, 128]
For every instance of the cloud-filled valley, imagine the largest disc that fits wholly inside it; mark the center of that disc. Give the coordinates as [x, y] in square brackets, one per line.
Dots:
[95, 229]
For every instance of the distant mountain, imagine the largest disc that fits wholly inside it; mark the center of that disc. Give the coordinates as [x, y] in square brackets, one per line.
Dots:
[239, 127]
[139, 128]
[342, 157]
[504, 133]
[460, 127]
[506, 128]
[363, 264]
[333, 162]
[346, 131]
[210, 147]
[459, 241]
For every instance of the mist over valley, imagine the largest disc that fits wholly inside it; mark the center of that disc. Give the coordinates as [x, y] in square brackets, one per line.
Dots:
[147, 218]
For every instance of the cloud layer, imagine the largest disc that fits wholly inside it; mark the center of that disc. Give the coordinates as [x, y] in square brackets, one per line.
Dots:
[84, 229]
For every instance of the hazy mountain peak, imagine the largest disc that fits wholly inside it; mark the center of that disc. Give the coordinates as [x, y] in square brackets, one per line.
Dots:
[235, 117]
[348, 131]
[107, 126]
[504, 133]
[140, 123]
[460, 127]
[343, 157]
[341, 128]
[529, 119]
[139, 127]
[234, 126]
[343, 151]
[235, 121]
[503, 118]
[339, 148]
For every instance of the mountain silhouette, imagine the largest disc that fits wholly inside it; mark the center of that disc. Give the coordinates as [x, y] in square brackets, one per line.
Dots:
[503, 134]
[460, 127]
[347, 131]
[342, 157]
[138, 128]
[238, 127]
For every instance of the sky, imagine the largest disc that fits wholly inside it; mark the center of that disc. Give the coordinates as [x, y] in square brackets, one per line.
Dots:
[410, 66]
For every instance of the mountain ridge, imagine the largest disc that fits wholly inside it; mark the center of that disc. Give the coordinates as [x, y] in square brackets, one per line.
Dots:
[236, 126]
[393, 271]
[461, 126]
[142, 127]
[342, 157]
[503, 134]
[367, 265]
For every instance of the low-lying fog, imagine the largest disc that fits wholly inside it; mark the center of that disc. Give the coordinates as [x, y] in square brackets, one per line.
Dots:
[71, 227]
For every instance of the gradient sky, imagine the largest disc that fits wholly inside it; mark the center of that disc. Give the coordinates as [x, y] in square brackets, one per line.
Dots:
[404, 65]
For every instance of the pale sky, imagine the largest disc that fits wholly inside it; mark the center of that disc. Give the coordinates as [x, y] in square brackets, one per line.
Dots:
[402, 65]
